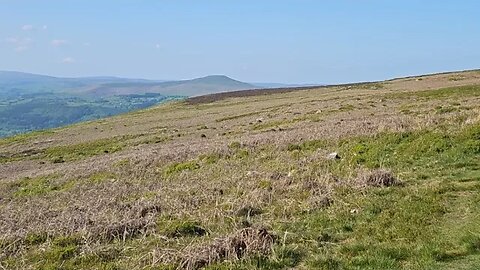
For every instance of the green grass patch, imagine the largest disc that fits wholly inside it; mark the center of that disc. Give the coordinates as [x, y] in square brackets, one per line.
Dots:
[22, 138]
[346, 108]
[235, 145]
[210, 158]
[181, 166]
[101, 177]
[405, 227]
[450, 92]
[175, 228]
[58, 154]
[309, 145]
[39, 186]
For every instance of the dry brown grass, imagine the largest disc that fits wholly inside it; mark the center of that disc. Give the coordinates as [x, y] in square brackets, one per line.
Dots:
[246, 242]
[379, 178]
[246, 174]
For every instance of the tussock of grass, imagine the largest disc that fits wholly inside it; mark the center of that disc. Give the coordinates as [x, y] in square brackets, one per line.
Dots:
[379, 178]
[245, 242]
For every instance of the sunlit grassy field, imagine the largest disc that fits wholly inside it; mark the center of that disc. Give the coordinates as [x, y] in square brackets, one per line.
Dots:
[249, 183]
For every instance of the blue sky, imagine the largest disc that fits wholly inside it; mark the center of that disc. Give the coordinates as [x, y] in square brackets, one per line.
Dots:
[298, 41]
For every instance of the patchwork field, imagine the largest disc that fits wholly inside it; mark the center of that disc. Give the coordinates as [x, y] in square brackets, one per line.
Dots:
[243, 181]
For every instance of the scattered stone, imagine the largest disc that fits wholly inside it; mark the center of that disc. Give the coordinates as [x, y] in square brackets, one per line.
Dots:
[252, 173]
[259, 120]
[203, 136]
[333, 155]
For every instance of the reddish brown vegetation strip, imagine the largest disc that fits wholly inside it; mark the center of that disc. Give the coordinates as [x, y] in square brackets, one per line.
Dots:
[244, 93]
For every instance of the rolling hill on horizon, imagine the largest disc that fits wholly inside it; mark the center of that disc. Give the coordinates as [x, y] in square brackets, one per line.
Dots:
[22, 82]
[31, 102]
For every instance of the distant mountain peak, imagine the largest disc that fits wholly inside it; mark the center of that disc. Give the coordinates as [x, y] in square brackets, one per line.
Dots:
[218, 76]
[217, 79]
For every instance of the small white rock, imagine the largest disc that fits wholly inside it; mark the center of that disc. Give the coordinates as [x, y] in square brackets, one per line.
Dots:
[333, 155]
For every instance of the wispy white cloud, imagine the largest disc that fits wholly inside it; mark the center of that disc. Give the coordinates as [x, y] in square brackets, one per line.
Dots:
[11, 40]
[157, 46]
[20, 44]
[21, 48]
[59, 42]
[87, 44]
[28, 27]
[68, 60]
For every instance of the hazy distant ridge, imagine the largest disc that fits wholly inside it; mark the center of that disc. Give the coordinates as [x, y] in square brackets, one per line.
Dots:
[108, 86]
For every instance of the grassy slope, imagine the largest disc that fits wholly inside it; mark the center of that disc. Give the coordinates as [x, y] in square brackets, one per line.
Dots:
[256, 162]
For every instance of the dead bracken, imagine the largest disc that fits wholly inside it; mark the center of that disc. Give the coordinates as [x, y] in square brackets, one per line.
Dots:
[246, 242]
[122, 231]
[379, 178]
